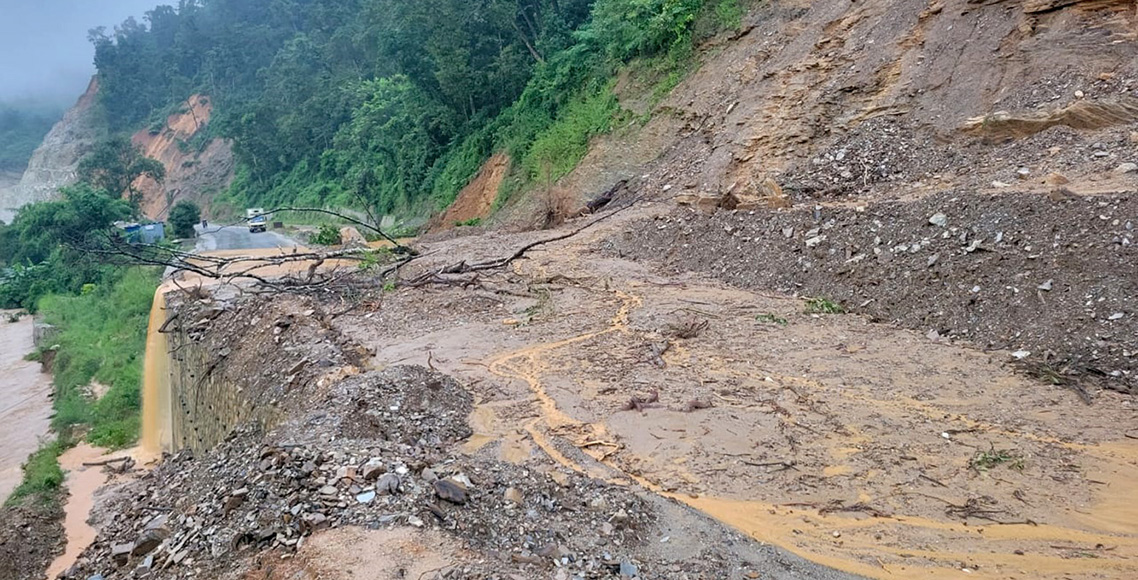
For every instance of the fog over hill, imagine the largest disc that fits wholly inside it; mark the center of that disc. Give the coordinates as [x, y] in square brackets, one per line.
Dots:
[45, 57]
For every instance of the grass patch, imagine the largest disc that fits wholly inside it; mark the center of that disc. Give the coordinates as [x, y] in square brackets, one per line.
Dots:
[819, 305]
[42, 475]
[985, 460]
[558, 149]
[102, 337]
[772, 319]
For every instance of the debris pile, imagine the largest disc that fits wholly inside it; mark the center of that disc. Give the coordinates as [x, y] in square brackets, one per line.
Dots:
[955, 265]
[373, 454]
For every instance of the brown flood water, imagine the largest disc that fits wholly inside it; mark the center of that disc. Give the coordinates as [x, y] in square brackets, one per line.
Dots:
[82, 482]
[25, 408]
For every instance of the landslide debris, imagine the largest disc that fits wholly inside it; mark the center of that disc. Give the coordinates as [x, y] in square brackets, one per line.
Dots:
[31, 536]
[1015, 271]
[377, 451]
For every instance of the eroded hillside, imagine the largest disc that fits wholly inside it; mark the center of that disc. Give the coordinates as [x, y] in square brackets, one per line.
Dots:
[197, 168]
[867, 299]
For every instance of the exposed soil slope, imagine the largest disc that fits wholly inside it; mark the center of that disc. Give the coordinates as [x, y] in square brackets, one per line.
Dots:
[477, 198]
[191, 174]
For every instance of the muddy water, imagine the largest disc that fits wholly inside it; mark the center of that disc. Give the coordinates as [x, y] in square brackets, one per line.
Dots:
[1093, 533]
[25, 408]
[82, 483]
[157, 431]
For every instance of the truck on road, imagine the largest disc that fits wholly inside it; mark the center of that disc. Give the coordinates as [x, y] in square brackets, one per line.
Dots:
[257, 220]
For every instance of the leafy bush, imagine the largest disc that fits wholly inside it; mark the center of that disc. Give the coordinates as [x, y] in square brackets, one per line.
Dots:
[819, 305]
[183, 217]
[556, 150]
[327, 235]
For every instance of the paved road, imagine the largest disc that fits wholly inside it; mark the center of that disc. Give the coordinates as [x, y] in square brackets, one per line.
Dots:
[237, 238]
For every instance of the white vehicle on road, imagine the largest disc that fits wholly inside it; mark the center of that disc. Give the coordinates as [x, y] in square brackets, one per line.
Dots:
[258, 221]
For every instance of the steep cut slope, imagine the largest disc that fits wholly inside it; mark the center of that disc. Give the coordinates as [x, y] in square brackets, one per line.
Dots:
[832, 99]
[54, 163]
[963, 168]
[194, 175]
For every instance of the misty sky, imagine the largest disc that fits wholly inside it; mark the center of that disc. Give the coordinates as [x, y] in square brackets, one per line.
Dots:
[44, 53]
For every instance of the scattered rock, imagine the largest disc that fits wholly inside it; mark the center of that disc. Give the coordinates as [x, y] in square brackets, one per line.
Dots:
[149, 540]
[1046, 286]
[1126, 168]
[388, 484]
[939, 220]
[628, 569]
[514, 496]
[450, 490]
[120, 553]
[373, 469]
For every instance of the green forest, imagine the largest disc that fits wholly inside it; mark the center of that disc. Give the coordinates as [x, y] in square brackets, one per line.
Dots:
[385, 105]
[394, 104]
[22, 128]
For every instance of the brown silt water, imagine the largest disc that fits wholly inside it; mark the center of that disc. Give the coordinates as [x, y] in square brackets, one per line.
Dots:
[25, 408]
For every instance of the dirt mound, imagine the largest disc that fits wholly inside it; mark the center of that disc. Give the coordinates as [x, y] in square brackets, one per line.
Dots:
[1009, 271]
[477, 198]
[194, 170]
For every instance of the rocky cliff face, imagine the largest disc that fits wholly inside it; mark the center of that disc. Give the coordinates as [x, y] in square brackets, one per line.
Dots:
[192, 172]
[54, 163]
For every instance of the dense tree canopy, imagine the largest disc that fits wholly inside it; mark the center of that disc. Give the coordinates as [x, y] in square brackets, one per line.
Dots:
[41, 252]
[389, 103]
[183, 217]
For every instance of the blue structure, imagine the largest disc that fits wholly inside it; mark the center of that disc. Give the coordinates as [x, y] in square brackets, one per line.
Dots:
[144, 233]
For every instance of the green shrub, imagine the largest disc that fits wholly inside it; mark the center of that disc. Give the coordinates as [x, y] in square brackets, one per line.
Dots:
[327, 235]
[183, 217]
[42, 474]
[558, 149]
[819, 305]
[102, 337]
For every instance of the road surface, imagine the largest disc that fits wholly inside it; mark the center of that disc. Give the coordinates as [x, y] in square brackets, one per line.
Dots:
[214, 238]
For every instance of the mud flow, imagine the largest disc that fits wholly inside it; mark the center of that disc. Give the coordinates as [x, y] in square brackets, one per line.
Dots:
[864, 447]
